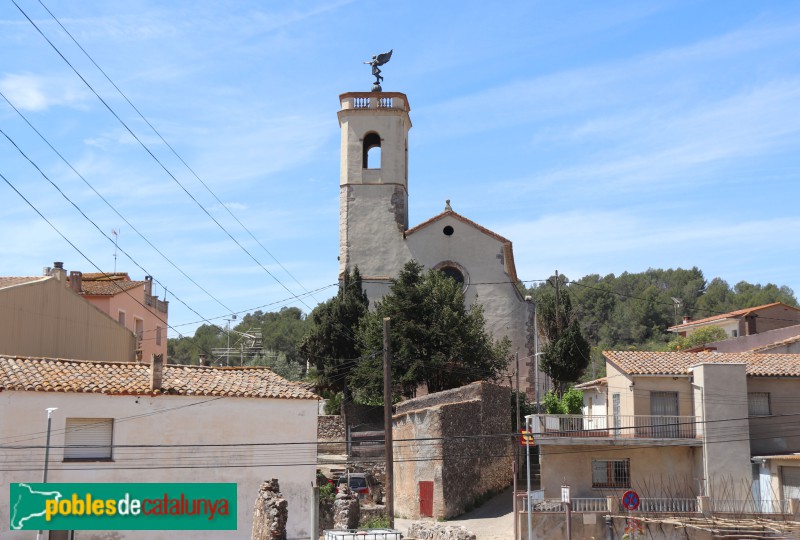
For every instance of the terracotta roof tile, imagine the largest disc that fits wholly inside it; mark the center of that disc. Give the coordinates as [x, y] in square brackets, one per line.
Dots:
[103, 276]
[108, 288]
[730, 315]
[678, 363]
[782, 343]
[10, 281]
[602, 381]
[118, 378]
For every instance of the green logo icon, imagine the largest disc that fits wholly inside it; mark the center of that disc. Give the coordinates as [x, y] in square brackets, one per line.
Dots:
[107, 506]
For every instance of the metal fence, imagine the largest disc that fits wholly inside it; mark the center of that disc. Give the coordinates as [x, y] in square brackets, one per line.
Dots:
[656, 505]
[613, 426]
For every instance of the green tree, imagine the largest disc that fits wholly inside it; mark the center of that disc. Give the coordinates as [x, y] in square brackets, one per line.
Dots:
[566, 353]
[699, 337]
[281, 331]
[435, 339]
[278, 362]
[331, 342]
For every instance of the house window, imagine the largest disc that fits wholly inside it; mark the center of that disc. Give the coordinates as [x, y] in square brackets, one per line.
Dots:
[611, 473]
[138, 325]
[758, 403]
[88, 439]
[121, 317]
[158, 335]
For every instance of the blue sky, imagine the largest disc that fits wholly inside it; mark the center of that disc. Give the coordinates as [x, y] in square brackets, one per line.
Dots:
[598, 137]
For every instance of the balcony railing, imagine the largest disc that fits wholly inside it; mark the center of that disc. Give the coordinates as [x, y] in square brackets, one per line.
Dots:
[609, 426]
[664, 505]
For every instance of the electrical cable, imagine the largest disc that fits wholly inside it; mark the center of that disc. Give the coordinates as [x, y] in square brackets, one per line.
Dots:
[160, 163]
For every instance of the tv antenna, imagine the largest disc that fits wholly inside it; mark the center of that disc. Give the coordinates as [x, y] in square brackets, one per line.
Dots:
[115, 234]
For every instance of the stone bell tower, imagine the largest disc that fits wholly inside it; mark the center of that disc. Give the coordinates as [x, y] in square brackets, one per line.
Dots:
[373, 212]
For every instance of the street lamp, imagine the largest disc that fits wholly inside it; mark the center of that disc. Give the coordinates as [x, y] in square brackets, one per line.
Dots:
[50, 410]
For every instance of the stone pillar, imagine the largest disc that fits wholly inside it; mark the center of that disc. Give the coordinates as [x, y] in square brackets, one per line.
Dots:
[346, 510]
[794, 507]
[270, 513]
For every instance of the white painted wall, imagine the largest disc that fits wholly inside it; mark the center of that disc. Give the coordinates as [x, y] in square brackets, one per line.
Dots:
[722, 392]
[165, 420]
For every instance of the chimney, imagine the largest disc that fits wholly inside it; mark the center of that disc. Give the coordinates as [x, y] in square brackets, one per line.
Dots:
[76, 280]
[148, 286]
[156, 372]
[687, 319]
[58, 271]
[202, 359]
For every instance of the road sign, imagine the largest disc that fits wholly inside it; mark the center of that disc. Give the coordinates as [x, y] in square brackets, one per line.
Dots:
[630, 500]
[526, 438]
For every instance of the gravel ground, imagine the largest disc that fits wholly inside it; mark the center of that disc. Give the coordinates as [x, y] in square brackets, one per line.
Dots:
[492, 521]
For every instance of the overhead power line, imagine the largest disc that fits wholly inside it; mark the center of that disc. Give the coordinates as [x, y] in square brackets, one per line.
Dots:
[158, 161]
[142, 236]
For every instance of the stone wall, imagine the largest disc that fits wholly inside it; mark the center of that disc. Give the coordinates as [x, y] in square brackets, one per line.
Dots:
[472, 460]
[270, 513]
[331, 434]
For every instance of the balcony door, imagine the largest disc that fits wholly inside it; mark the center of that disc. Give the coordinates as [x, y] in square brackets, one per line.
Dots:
[664, 413]
[616, 412]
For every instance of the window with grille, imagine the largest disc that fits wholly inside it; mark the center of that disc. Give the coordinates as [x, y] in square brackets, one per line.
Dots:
[88, 439]
[758, 403]
[611, 473]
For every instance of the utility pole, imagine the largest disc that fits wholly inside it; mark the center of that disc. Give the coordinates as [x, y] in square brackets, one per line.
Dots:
[515, 466]
[40, 534]
[536, 353]
[387, 420]
[558, 315]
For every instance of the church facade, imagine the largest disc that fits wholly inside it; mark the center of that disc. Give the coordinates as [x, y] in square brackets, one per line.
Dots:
[374, 233]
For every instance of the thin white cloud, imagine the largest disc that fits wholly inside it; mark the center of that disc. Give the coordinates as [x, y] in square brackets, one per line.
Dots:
[31, 92]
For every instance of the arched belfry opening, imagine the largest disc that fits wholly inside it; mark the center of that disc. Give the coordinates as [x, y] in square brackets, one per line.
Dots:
[372, 151]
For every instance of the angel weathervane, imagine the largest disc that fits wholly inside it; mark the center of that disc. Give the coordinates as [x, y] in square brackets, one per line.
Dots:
[378, 60]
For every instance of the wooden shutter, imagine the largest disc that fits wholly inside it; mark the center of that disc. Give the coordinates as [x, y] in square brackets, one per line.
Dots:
[88, 438]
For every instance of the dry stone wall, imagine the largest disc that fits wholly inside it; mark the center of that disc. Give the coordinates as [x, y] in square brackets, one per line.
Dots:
[270, 513]
[330, 434]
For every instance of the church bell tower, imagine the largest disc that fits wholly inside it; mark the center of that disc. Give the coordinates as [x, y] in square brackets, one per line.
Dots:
[373, 214]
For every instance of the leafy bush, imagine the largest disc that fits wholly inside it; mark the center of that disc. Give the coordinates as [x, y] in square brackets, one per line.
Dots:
[553, 405]
[376, 522]
[699, 337]
[327, 492]
[572, 401]
[334, 404]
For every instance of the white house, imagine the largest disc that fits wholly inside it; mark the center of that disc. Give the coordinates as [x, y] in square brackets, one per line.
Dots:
[374, 233]
[681, 425]
[148, 423]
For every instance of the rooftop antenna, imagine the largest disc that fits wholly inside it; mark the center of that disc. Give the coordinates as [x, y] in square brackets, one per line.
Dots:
[115, 233]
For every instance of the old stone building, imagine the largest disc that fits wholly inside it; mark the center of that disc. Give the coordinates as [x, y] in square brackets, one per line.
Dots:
[451, 450]
[374, 233]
